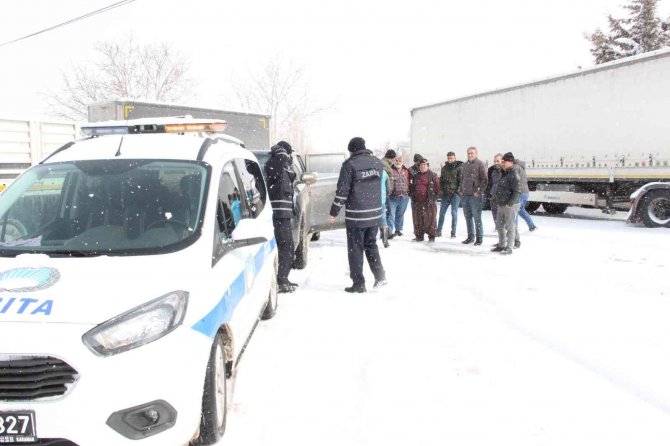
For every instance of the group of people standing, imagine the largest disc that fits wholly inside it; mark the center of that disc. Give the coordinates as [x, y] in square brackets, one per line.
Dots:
[375, 195]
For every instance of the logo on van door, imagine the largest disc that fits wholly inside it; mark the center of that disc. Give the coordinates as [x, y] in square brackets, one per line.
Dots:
[24, 280]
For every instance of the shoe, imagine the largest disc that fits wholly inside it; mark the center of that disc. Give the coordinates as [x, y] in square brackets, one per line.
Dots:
[355, 289]
[294, 285]
[453, 235]
[431, 239]
[478, 242]
[380, 283]
[439, 233]
[467, 241]
[506, 251]
[517, 243]
[390, 235]
[285, 288]
[417, 239]
[398, 234]
[532, 228]
[497, 249]
[386, 243]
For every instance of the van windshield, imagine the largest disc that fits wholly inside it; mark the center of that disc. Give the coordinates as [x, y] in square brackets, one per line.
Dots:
[103, 207]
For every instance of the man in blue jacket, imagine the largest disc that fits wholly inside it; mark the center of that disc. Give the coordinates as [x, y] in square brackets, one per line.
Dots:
[359, 191]
[280, 176]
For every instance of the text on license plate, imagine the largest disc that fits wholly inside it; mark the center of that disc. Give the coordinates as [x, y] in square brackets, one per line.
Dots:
[17, 427]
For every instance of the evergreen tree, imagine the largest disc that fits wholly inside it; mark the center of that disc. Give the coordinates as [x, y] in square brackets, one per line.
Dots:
[640, 32]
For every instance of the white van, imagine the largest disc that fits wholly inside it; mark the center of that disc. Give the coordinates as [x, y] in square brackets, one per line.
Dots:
[134, 267]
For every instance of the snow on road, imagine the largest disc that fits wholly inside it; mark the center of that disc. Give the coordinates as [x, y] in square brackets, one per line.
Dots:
[564, 342]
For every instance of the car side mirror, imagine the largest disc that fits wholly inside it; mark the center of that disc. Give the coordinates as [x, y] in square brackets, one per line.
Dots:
[308, 178]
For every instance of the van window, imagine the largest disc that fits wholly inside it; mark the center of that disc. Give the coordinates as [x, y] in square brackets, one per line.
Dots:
[230, 206]
[253, 184]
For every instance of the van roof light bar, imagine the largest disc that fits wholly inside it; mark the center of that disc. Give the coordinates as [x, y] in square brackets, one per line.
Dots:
[154, 126]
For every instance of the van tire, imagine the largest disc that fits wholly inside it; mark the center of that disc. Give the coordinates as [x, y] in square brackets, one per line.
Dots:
[273, 299]
[655, 208]
[316, 236]
[214, 396]
[300, 261]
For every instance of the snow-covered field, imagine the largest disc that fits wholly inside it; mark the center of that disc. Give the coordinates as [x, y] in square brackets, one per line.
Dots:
[566, 342]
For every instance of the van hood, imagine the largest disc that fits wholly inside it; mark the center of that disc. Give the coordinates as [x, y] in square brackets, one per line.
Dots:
[91, 290]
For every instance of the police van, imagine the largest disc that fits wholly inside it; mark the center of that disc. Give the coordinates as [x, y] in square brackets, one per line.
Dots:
[134, 266]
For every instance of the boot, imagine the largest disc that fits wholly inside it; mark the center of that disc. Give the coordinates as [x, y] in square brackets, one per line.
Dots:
[478, 242]
[453, 234]
[517, 243]
[497, 248]
[385, 237]
[468, 241]
[285, 288]
[356, 288]
[380, 283]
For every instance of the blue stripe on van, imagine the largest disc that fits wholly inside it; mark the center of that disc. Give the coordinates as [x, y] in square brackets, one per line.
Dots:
[223, 310]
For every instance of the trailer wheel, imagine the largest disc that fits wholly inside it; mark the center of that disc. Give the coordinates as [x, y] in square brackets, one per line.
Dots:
[655, 208]
[532, 206]
[554, 208]
[316, 236]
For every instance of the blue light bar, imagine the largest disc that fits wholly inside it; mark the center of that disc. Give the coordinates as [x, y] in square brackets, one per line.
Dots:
[106, 130]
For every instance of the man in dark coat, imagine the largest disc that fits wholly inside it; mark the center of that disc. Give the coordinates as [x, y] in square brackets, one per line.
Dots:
[506, 196]
[359, 191]
[280, 176]
[494, 174]
[450, 181]
[473, 185]
[424, 192]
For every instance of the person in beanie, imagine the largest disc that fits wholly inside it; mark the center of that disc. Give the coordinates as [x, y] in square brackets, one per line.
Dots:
[473, 185]
[414, 170]
[279, 177]
[506, 196]
[387, 162]
[450, 180]
[424, 192]
[359, 191]
[399, 198]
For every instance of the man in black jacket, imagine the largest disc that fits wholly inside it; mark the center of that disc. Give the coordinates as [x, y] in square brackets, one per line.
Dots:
[506, 196]
[280, 176]
[359, 190]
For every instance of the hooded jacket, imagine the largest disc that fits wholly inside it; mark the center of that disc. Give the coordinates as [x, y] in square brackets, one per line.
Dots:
[359, 190]
[451, 177]
[280, 176]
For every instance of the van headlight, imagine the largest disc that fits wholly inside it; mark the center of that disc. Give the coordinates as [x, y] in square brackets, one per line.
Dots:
[139, 326]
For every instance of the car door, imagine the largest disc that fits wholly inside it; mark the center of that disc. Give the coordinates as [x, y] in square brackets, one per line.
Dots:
[232, 268]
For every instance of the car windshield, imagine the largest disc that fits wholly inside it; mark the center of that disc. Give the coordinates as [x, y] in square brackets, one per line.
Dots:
[110, 207]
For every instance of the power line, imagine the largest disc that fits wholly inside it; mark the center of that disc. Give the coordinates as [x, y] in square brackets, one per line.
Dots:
[85, 16]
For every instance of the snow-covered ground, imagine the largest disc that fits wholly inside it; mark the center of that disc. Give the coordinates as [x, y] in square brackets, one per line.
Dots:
[565, 342]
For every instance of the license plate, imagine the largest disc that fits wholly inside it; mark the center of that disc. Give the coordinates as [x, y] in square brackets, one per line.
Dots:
[17, 427]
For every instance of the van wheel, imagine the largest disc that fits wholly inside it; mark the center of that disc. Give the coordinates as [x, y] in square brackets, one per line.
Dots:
[655, 208]
[532, 206]
[316, 236]
[214, 396]
[555, 208]
[300, 261]
[273, 301]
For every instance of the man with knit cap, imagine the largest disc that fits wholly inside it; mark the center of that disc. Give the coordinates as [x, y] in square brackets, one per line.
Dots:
[424, 192]
[279, 177]
[359, 191]
[506, 196]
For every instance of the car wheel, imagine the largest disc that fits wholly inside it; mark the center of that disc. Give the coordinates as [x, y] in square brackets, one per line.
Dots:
[273, 301]
[316, 236]
[655, 208]
[300, 261]
[532, 206]
[555, 208]
[214, 396]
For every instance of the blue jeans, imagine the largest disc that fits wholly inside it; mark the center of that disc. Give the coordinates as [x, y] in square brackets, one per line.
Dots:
[396, 217]
[453, 200]
[523, 213]
[472, 208]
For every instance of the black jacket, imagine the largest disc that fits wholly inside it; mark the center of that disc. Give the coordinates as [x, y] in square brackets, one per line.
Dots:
[451, 177]
[279, 176]
[506, 191]
[359, 188]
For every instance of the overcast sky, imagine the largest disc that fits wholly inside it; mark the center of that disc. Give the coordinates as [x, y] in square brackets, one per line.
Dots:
[373, 61]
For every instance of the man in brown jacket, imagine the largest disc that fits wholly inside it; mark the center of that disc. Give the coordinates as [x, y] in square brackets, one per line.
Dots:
[424, 190]
[473, 185]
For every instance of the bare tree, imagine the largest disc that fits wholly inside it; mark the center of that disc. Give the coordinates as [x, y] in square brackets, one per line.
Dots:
[125, 68]
[279, 89]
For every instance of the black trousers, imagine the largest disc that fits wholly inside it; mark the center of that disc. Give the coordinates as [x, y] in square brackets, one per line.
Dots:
[284, 236]
[361, 240]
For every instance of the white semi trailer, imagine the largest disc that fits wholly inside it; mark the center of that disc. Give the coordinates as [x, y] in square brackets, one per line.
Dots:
[589, 138]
